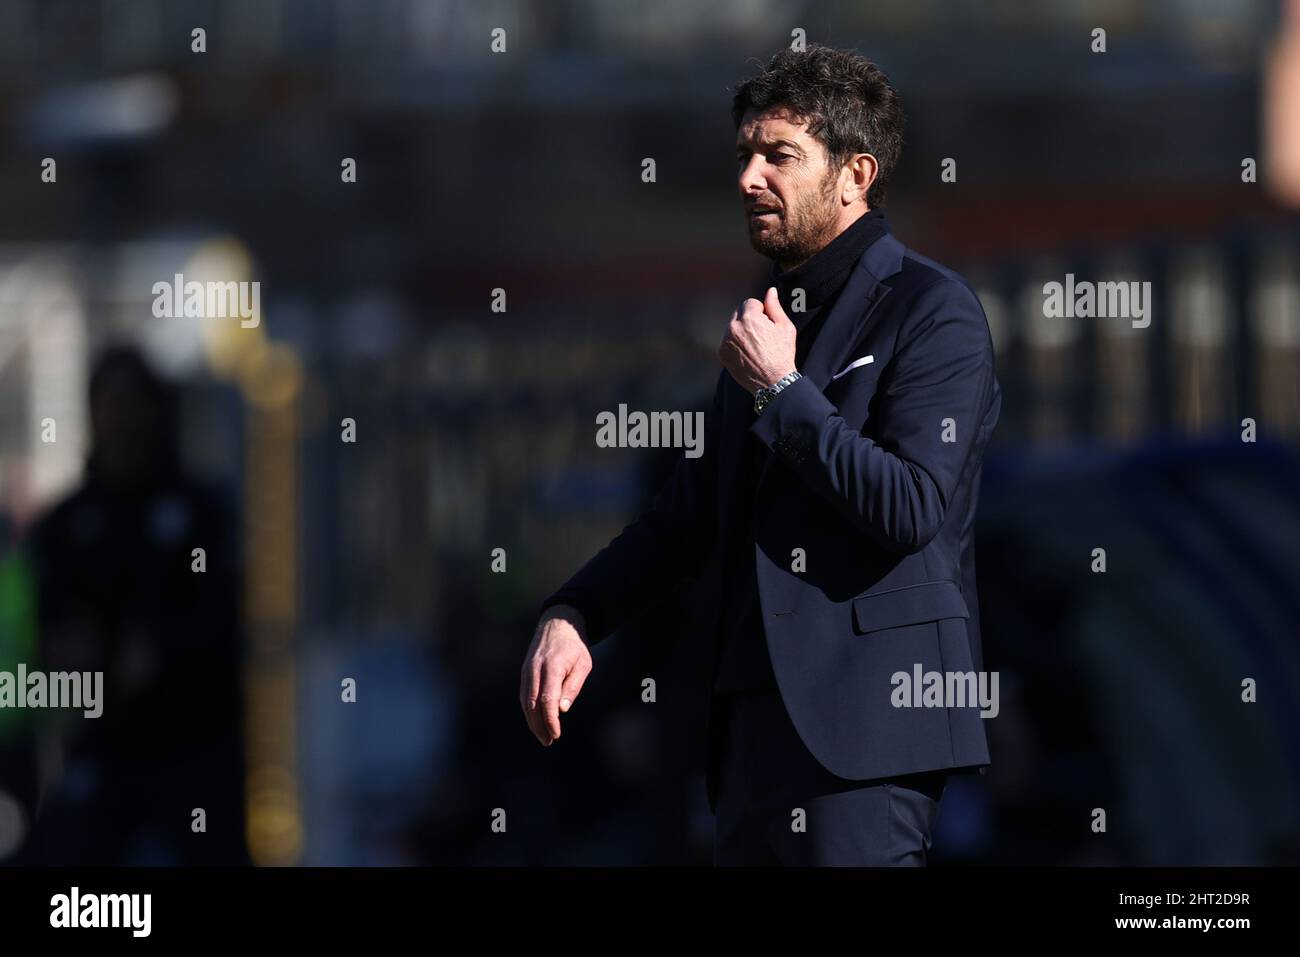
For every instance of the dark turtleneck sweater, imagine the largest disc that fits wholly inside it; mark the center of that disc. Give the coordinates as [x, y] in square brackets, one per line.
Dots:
[744, 661]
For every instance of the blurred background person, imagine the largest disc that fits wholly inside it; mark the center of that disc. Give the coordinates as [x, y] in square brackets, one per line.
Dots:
[119, 593]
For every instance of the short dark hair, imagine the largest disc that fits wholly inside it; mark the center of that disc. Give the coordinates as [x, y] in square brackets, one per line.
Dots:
[843, 97]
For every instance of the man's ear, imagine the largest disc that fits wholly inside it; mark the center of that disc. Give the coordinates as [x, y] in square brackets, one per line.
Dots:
[863, 170]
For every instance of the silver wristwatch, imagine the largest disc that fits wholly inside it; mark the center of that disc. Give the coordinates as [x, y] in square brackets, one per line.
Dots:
[765, 395]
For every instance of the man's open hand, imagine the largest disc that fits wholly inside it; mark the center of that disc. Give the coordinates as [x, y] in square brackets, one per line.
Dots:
[759, 345]
[555, 668]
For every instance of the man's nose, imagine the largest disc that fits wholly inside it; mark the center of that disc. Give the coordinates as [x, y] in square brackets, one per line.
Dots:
[751, 177]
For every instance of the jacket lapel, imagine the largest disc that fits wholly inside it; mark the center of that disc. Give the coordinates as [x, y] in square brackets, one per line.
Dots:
[849, 317]
[844, 327]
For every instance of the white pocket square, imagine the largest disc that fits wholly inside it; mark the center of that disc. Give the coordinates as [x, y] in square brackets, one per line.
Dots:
[853, 365]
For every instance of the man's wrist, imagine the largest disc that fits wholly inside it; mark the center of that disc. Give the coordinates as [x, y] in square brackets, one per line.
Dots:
[567, 612]
[773, 382]
[765, 395]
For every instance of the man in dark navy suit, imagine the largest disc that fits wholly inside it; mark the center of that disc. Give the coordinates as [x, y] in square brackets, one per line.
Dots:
[839, 477]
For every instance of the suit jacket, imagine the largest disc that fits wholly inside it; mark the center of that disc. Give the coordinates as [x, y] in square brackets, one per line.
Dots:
[875, 477]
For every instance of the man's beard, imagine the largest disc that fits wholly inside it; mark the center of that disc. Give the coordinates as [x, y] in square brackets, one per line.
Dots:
[799, 232]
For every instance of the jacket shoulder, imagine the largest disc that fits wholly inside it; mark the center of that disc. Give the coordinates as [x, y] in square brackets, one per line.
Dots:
[927, 291]
[918, 273]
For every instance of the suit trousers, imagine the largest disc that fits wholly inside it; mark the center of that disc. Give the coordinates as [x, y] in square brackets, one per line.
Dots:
[778, 805]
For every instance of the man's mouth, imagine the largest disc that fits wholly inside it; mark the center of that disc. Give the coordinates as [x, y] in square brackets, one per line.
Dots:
[758, 213]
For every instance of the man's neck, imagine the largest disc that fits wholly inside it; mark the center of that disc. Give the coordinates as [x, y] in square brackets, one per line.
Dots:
[826, 271]
[848, 216]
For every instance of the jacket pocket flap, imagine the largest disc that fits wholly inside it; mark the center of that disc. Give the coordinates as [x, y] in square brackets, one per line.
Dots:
[909, 605]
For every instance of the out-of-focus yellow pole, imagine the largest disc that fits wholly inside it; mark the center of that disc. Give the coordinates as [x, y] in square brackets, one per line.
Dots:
[269, 376]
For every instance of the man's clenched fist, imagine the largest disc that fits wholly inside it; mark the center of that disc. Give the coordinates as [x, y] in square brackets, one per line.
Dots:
[555, 668]
[759, 345]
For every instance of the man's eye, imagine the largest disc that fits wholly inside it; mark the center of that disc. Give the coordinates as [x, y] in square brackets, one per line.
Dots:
[778, 157]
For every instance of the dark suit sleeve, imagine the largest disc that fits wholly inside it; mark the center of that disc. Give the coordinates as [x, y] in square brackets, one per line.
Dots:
[897, 486]
[668, 542]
